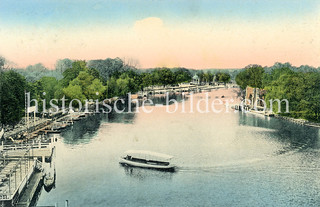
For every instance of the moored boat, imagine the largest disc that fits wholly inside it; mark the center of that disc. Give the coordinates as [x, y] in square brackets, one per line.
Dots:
[49, 182]
[147, 159]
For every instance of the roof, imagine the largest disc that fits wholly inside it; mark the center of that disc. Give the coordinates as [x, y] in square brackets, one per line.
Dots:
[142, 154]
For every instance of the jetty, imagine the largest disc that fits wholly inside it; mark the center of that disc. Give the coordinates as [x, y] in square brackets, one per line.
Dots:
[188, 88]
[42, 126]
[21, 172]
[258, 110]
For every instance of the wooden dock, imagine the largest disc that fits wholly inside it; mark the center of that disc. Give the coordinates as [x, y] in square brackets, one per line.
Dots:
[32, 153]
[30, 190]
[21, 172]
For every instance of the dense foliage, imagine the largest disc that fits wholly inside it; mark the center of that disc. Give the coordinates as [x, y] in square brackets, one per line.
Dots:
[223, 77]
[250, 76]
[100, 79]
[12, 87]
[97, 79]
[299, 85]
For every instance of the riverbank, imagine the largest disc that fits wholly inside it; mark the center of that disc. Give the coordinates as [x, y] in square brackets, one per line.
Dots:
[242, 154]
[298, 121]
[303, 122]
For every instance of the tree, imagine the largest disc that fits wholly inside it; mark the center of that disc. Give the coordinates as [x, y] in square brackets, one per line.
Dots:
[182, 75]
[73, 72]
[108, 67]
[93, 72]
[223, 77]
[166, 77]
[5, 64]
[58, 94]
[311, 96]
[300, 89]
[251, 76]
[111, 87]
[208, 77]
[242, 79]
[126, 84]
[83, 80]
[74, 92]
[96, 90]
[156, 77]
[62, 65]
[33, 73]
[255, 73]
[2, 62]
[48, 85]
[12, 102]
[122, 86]
[201, 76]
[146, 79]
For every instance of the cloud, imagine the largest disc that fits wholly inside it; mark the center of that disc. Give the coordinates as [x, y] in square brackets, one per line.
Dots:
[149, 24]
[155, 42]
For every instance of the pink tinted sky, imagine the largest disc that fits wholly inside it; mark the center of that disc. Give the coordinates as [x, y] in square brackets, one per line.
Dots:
[155, 40]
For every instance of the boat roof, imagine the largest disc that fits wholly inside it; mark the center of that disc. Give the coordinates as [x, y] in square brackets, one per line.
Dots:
[143, 154]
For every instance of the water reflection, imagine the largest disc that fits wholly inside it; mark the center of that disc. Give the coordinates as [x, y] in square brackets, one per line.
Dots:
[84, 130]
[225, 159]
[142, 174]
[81, 132]
[126, 118]
[294, 136]
[163, 99]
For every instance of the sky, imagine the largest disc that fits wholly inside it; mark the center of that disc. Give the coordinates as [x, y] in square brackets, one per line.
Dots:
[162, 33]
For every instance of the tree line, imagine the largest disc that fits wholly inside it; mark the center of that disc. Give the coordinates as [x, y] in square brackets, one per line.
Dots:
[95, 79]
[299, 85]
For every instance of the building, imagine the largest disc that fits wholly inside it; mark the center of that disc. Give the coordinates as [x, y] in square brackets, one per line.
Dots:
[250, 97]
[195, 79]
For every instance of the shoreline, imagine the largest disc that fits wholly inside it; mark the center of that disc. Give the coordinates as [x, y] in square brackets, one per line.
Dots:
[48, 123]
[302, 122]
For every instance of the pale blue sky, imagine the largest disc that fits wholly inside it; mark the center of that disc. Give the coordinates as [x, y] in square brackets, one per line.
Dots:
[155, 33]
[125, 12]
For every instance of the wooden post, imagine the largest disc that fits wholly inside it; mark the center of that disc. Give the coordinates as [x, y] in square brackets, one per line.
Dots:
[20, 169]
[15, 179]
[10, 183]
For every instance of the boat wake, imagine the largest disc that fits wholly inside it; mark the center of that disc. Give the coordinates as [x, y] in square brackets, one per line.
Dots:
[240, 165]
[231, 166]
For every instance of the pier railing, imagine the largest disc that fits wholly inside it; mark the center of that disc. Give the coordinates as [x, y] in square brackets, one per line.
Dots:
[14, 185]
[25, 146]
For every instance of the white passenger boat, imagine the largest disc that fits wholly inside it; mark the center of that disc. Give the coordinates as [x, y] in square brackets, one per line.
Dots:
[147, 159]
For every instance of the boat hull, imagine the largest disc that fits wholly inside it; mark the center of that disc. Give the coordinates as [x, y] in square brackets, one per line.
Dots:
[125, 162]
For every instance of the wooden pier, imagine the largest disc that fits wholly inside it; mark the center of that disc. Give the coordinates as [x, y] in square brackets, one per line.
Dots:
[23, 154]
[43, 126]
[21, 172]
[30, 190]
[180, 89]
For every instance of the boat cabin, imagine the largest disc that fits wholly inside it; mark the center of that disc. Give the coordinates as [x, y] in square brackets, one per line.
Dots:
[147, 157]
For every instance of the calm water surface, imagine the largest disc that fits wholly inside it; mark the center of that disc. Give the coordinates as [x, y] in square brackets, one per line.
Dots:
[226, 159]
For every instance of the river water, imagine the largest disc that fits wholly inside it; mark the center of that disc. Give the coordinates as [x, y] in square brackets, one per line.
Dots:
[223, 159]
